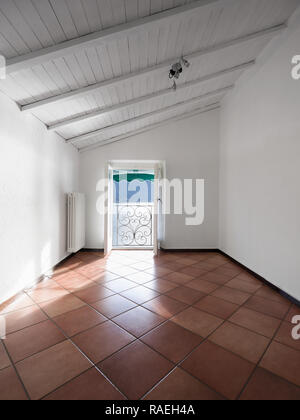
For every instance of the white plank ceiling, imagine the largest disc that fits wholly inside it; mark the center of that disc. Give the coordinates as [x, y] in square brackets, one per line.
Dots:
[221, 39]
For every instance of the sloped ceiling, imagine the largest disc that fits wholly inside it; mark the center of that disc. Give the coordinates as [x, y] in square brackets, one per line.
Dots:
[97, 70]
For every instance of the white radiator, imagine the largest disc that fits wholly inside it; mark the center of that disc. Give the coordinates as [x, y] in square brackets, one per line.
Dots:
[76, 222]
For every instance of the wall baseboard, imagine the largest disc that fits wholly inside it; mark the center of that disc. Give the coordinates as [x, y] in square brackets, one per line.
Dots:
[295, 301]
[92, 250]
[47, 274]
[189, 250]
[262, 279]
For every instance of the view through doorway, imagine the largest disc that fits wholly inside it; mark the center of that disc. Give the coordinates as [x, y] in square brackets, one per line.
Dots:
[133, 209]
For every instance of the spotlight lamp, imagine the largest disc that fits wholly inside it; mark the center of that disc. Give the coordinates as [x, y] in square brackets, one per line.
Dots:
[177, 69]
[185, 62]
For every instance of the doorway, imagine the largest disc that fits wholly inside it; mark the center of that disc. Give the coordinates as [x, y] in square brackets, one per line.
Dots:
[133, 209]
[133, 216]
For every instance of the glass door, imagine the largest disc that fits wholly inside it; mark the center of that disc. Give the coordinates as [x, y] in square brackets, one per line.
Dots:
[133, 209]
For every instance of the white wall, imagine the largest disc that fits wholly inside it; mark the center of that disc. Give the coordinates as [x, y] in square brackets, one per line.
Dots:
[36, 170]
[190, 148]
[260, 167]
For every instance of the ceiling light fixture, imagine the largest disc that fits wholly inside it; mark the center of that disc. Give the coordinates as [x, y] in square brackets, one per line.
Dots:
[177, 69]
[185, 62]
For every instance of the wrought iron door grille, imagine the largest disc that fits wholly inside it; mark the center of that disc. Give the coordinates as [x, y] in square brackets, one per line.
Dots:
[133, 225]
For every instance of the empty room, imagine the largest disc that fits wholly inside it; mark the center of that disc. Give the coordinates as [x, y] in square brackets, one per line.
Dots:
[149, 202]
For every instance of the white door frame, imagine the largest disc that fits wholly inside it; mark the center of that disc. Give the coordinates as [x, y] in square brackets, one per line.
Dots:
[157, 167]
[108, 210]
[156, 209]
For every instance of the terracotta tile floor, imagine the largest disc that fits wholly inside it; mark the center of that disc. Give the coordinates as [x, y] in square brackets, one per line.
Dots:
[178, 326]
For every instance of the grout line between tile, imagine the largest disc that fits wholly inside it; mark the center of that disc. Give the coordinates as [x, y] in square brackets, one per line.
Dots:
[140, 338]
[17, 373]
[263, 355]
[76, 346]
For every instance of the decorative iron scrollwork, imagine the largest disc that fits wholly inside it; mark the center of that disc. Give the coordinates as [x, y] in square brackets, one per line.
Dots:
[134, 225]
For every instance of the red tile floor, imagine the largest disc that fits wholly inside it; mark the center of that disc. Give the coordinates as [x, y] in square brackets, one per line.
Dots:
[179, 326]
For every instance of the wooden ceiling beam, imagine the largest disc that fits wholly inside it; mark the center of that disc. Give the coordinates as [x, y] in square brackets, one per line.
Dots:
[150, 71]
[150, 127]
[138, 101]
[193, 101]
[39, 57]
